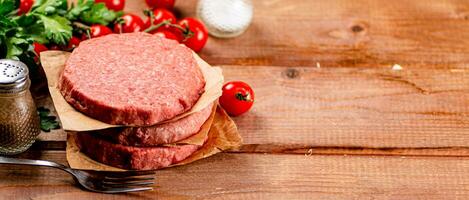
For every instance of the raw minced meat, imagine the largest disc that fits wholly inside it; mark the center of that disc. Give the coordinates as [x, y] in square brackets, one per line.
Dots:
[131, 79]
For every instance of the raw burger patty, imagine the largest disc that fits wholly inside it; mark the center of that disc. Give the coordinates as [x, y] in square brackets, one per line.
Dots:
[159, 134]
[136, 158]
[131, 79]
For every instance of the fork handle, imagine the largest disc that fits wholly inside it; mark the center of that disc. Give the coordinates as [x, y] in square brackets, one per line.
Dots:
[21, 161]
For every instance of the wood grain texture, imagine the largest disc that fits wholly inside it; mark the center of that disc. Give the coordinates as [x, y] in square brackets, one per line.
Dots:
[345, 107]
[347, 151]
[343, 33]
[258, 176]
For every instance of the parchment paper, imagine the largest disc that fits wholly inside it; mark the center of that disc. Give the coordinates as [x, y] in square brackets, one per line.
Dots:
[223, 135]
[53, 63]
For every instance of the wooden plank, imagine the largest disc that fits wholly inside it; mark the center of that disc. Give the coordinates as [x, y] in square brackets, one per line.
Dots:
[362, 151]
[267, 176]
[346, 107]
[343, 33]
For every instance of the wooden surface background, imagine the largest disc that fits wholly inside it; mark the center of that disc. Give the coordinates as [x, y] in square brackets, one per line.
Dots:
[332, 118]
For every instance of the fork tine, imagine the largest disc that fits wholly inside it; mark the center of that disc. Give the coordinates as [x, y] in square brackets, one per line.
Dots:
[124, 189]
[128, 173]
[128, 179]
[114, 185]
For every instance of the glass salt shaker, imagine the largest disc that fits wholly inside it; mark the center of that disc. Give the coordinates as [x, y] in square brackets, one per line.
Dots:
[225, 18]
[19, 121]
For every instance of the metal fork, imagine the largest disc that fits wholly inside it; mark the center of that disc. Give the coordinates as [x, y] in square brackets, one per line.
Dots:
[97, 181]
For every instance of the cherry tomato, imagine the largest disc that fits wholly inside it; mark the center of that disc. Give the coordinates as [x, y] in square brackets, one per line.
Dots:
[116, 5]
[97, 30]
[132, 23]
[200, 35]
[25, 6]
[168, 4]
[161, 15]
[38, 48]
[167, 35]
[74, 42]
[237, 98]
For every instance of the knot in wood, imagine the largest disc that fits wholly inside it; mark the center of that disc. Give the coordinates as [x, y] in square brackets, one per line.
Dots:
[357, 28]
[292, 73]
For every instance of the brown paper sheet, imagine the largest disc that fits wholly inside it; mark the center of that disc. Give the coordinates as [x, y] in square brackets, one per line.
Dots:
[223, 135]
[53, 63]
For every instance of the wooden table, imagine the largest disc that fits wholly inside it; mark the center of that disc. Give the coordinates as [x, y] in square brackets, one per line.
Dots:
[332, 119]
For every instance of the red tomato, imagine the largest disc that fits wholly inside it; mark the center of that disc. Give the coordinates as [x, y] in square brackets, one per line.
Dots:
[25, 6]
[161, 15]
[237, 98]
[167, 34]
[168, 4]
[97, 30]
[74, 42]
[200, 35]
[116, 5]
[132, 23]
[38, 48]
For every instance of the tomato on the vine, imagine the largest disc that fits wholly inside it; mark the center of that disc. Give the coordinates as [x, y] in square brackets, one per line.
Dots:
[116, 5]
[160, 15]
[237, 98]
[97, 30]
[167, 34]
[25, 6]
[168, 4]
[199, 33]
[130, 23]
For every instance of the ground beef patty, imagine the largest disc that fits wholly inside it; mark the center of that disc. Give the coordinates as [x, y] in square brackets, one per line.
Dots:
[131, 79]
[159, 134]
[127, 157]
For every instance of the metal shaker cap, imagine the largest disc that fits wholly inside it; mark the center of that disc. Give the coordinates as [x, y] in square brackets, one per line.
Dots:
[225, 18]
[13, 76]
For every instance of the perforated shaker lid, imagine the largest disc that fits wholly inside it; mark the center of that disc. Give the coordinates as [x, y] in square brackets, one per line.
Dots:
[13, 76]
[225, 18]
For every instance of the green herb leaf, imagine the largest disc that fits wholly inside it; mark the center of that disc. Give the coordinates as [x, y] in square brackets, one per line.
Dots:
[13, 42]
[50, 7]
[99, 14]
[58, 29]
[15, 47]
[25, 20]
[37, 33]
[7, 6]
[76, 10]
[7, 27]
[47, 122]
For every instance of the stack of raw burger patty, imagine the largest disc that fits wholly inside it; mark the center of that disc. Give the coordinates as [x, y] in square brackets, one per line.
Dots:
[136, 80]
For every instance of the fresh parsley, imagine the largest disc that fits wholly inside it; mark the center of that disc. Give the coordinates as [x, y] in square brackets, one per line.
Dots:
[47, 122]
[7, 7]
[99, 14]
[58, 28]
[48, 22]
[89, 12]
